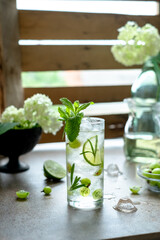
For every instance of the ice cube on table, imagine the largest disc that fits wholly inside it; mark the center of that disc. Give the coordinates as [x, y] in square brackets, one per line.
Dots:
[125, 205]
[113, 170]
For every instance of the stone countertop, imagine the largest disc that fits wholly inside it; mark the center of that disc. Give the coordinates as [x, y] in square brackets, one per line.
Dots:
[49, 217]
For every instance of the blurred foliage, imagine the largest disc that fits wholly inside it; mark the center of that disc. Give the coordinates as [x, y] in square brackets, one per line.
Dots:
[43, 79]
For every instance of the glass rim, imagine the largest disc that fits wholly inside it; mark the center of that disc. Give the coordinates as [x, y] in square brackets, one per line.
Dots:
[94, 120]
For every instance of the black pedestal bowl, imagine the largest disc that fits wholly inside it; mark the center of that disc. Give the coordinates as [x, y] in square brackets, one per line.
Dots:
[16, 142]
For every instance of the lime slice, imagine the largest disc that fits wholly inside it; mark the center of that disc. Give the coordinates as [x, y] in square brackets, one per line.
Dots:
[53, 170]
[91, 152]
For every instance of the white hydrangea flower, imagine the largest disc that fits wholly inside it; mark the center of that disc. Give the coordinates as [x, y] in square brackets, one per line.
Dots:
[35, 106]
[137, 44]
[12, 114]
[9, 114]
[38, 111]
[49, 121]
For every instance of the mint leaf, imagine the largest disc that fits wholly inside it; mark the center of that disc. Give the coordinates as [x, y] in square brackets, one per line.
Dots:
[4, 127]
[72, 127]
[67, 103]
[84, 106]
[62, 113]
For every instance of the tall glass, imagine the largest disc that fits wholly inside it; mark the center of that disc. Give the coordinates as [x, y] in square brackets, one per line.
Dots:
[85, 161]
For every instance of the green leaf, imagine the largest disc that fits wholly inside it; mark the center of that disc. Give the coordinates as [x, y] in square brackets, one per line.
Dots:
[67, 103]
[84, 106]
[76, 104]
[4, 127]
[72, 127]
[62, 113]
[76, 187]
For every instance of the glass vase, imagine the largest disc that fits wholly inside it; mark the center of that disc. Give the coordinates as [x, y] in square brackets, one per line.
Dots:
[142, 132]
[145, 87]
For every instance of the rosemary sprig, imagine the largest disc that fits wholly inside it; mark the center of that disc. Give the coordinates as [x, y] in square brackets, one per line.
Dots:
[75, 184]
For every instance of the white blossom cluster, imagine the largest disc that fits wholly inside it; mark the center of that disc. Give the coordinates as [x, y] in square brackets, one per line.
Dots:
[37, 111]
[136, 44]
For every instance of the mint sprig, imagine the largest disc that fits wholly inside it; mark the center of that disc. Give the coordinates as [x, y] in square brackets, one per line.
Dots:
[72, 116]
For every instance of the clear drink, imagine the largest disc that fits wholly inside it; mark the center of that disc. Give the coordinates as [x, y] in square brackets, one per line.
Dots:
[143, 148]
[85, 160]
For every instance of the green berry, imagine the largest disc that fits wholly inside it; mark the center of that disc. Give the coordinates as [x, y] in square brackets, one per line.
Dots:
[154, 165]
[86, 182]
[84, 191]
[97, 194]
[156, 171]
[135, 189]
[22, 194]
[47, 190]
[147, 172]
[98, 172]
[153, 183]
[158, 184]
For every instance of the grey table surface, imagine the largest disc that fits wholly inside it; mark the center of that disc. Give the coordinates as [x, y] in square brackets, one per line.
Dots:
[49, 217]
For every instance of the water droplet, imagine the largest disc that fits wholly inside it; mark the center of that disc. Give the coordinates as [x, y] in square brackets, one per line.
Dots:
[113, 170]
[125, 205]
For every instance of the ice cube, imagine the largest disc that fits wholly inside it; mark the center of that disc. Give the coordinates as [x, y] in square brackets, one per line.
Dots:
[113, 170]
[86, 124]
[125, 205]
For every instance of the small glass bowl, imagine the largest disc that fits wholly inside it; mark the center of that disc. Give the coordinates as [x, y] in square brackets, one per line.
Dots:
[153, 180]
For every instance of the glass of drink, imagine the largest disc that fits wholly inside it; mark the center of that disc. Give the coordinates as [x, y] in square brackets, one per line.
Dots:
[85, 161]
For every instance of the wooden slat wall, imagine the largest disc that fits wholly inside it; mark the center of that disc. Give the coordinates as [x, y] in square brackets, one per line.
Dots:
[49, 58]
[72, 25]
[59, 25]
[83, 94]
[41, 25]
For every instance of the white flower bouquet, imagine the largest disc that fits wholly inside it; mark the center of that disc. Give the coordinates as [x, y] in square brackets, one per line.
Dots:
[38, 111]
